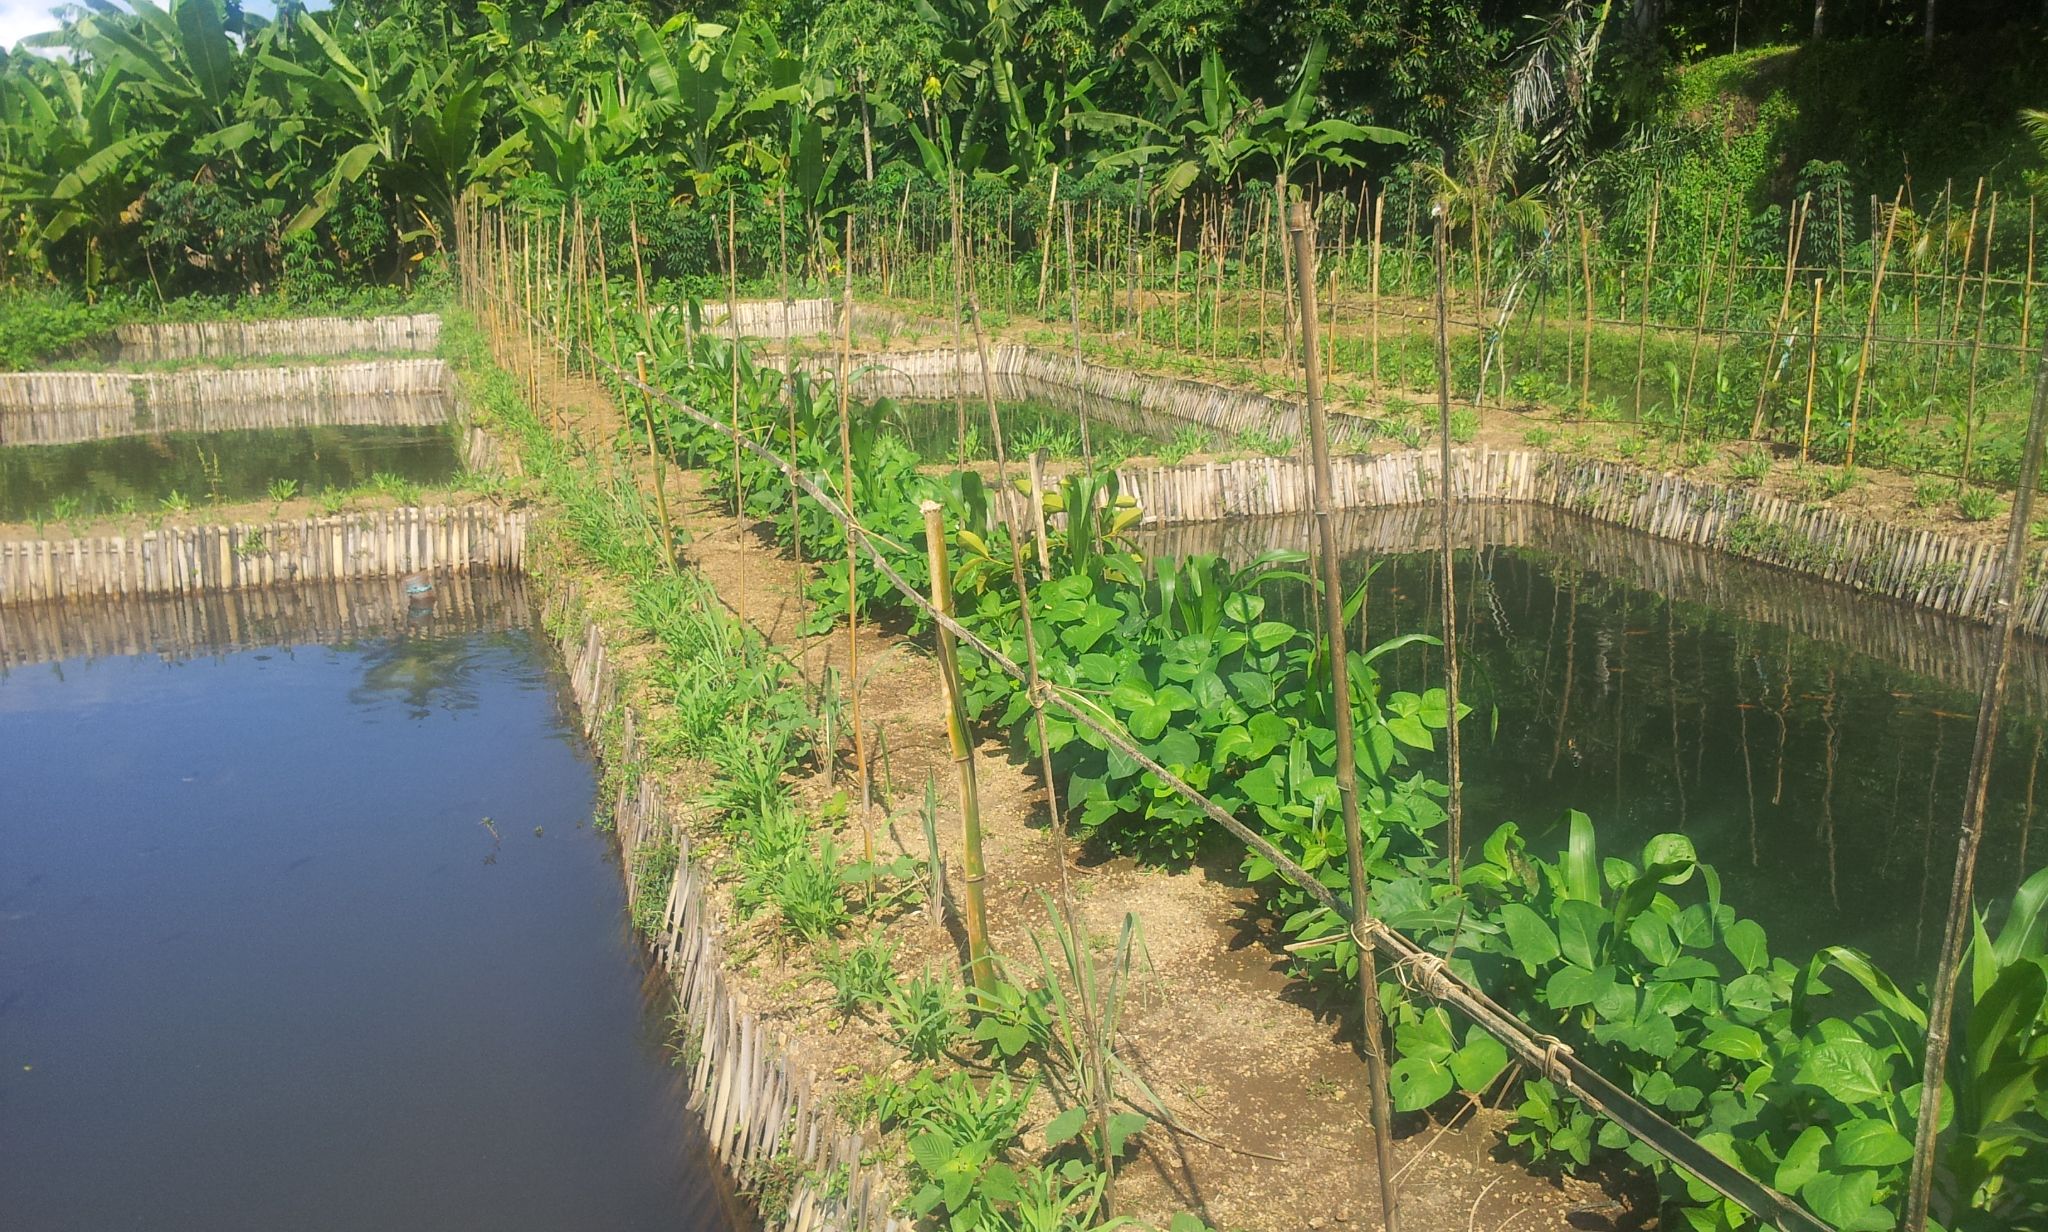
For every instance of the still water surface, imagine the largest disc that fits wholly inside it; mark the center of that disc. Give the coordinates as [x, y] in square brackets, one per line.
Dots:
[236, 465]
[319, 936]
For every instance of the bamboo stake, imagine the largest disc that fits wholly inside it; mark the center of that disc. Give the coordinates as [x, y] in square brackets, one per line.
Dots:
[1870, 327]
[958, 253]
[668, 535]
[853, 686]
[980, 960]
[1453, 762]
[1956, 933]
[1074, 322]
[1379, 209]
[1347, 770]
[2027, 284]
[1955, 319]
[1801, 208]
[1812, 369]
[1045, 245]
[1699, 324]
[1586, 266]
[1977, 347]
[1649, 275]
[732, 321]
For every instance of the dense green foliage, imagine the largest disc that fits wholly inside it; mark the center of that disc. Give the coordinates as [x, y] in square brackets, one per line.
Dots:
[199, 147]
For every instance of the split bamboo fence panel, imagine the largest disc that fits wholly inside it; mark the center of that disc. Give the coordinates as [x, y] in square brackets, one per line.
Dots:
[200, 387]
[154, 343]
[97, 423]
[193, 559]
[759, 1100]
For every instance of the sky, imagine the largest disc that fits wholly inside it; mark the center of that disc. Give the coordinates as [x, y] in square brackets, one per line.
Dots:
[20, 18]
[24, 17]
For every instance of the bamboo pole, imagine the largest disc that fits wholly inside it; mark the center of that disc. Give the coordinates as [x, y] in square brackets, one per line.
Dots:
[1870, 327]
[1074, 324]
[1045, 244]
[957, 251]
[853, 683]
[980, 960]
[1379, 209]
[1956, 932]
[1812, 369]
[1453, 762]
[1586, 267]
[2027, 284]
[1649, 276]
[732, 321]
[1796, 235]
[668, 534]
[1699, 324]
[1977, 346]
[1955, 319]
[1346, 769]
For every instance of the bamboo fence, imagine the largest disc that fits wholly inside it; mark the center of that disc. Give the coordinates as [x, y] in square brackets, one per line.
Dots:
[198, 387]
[758, 1098]
[193, 559]
[153, 343]
[175, 627]
[74, 425]
[1923, 567]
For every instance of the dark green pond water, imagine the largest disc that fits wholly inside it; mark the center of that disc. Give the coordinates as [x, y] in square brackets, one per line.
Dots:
[1812, 742]
[137, 473]
[320, 936]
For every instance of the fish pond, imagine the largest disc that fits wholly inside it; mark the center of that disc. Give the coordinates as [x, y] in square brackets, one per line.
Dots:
[129, 473]
[308, 927]
[1812, 742]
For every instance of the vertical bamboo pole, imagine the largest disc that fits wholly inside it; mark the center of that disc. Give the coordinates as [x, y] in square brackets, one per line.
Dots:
[1452, 760]
[1869, 328]
[1801, 208]
[1074, 325]
[1977, 346]
[1379, 209]
[668, 535]
[1179, 229]
[980, 964]
[2027, 284]
[1956, 933]
[1699, 324]
[1586, 268]
[1955, 319]
[732, 322]
[1347, 770]
[1045, 244]
[853, 682]
[1812, 369]
[1649, 276]
[958, 250]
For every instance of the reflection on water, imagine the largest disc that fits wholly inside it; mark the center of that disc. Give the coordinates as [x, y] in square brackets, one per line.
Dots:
[140, 472]
[302, 935]
[1813, 742]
